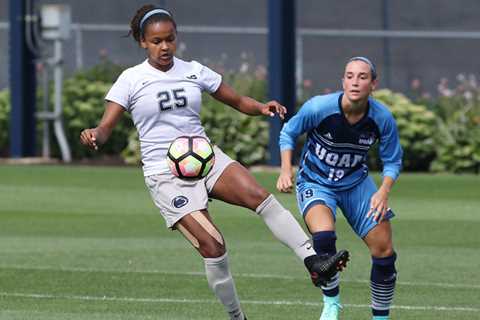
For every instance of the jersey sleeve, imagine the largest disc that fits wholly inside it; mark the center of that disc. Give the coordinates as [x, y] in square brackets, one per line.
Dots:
[390, 150]
[120, 91]
[209, 80]
[307, 118]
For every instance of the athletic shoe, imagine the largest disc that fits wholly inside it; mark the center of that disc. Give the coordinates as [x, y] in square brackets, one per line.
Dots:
[325, 267]
[331, 308]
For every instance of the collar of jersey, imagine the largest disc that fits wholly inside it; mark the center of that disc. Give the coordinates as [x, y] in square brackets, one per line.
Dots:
[169, 71]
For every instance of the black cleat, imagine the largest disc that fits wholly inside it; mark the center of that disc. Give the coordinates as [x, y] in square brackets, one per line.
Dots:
[324, 267]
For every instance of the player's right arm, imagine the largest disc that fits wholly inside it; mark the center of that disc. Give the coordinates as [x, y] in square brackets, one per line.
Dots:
[285, 179]
[94, 137]
[306, 119]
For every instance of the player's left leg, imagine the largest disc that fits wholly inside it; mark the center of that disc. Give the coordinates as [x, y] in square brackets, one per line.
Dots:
[355, 204]
[237, 186]
[383, 273]
[199, 229]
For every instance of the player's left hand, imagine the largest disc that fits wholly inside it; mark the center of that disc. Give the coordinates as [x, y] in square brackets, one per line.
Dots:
[378, 205]
[273, 107]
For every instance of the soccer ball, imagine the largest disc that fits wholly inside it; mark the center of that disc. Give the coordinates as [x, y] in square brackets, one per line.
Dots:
[190, 157]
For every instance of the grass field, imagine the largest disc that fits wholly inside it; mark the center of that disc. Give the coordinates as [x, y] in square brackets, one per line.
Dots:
[87, 243]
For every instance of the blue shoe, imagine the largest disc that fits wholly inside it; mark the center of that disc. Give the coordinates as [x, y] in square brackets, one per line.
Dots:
[381, 318]
[331, 308]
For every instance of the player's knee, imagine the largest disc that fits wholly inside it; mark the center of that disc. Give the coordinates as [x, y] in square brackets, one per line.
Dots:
[211, 249]
[381, 251]
[324, 242]
[253, 196]
[256, 195]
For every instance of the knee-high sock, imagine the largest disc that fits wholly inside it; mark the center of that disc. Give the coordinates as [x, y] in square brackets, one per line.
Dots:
[324, 243]
[382, 284]
[221, 282]
[285, 228]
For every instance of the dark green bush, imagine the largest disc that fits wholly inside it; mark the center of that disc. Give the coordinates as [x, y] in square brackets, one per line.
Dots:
[458, 133]
[83, 107]
[446, 138]
[4, 121]
[416, 126]
[242, 137]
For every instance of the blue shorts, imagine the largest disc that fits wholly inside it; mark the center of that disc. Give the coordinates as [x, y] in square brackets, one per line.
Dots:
[354, 203]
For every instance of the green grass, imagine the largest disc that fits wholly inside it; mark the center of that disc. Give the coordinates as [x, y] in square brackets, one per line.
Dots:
[88, 243]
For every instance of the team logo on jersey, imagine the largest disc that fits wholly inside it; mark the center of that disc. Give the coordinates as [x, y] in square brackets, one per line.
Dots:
[179, 201]
[339, 160]
[192, 77]
[367, 138]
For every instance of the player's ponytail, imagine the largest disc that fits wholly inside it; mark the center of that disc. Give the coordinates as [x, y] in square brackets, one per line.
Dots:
[146, 15]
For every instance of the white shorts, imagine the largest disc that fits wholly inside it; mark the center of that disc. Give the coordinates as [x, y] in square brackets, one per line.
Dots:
[176, 197]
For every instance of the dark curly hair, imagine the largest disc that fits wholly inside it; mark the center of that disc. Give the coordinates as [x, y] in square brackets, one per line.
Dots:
[138, 32]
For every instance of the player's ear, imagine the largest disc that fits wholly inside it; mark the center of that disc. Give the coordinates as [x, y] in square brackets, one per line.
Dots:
[143, 43]
[374, 84]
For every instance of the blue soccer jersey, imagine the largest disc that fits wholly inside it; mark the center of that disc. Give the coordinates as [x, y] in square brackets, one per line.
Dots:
[335, 152]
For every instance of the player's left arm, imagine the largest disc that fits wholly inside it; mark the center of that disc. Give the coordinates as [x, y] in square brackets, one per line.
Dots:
[247, 105]
[391, 154]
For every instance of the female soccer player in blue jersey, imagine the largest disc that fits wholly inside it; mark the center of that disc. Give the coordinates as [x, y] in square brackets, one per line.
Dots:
[341, 128]
[163, 94]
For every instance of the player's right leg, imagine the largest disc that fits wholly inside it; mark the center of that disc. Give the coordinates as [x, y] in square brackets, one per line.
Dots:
[204, 236]
[318, 207]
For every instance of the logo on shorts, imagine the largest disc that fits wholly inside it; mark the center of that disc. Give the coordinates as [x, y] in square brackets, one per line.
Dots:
[179, 201]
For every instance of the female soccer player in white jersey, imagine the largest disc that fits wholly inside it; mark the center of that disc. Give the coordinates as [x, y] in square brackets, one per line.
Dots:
[341, 127]
[163, 95]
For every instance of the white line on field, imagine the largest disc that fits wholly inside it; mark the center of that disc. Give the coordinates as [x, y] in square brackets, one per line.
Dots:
[242, 275]
[205, 301]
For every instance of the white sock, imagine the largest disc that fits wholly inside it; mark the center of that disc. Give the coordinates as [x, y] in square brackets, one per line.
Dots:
[284, 227]
[221, 282]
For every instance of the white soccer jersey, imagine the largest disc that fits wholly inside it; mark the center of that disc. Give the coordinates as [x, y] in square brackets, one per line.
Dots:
[163, 105]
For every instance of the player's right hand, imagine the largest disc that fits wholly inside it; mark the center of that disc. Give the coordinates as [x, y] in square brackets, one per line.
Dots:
[88, 137]
[285, 182]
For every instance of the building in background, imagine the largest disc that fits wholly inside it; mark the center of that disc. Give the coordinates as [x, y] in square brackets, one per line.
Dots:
[439, 41]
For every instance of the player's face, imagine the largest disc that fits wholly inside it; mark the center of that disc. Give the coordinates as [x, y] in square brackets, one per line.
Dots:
[160, 40]
[357, 81]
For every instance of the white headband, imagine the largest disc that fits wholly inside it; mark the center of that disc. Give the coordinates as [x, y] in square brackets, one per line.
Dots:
[151, 13]
[373, 69]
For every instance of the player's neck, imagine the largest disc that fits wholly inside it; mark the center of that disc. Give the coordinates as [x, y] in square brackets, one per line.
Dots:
[163, 68]
[354, 110]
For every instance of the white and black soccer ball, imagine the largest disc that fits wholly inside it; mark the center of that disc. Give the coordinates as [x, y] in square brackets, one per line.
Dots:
[190, 157]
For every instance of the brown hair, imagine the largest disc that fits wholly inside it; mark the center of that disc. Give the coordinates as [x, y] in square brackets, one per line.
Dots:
[138, 31]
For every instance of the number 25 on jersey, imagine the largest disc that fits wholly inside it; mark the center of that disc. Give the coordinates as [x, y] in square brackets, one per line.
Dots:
[167, 100]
